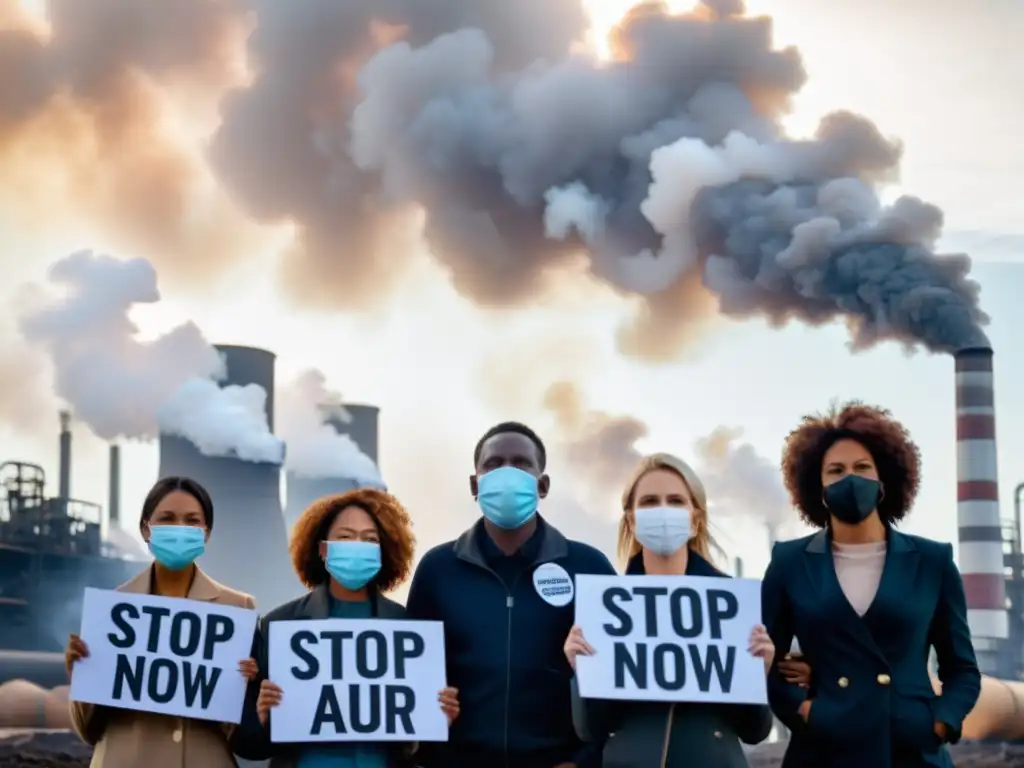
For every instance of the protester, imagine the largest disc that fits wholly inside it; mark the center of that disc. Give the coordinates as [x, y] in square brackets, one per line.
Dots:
[349, 550]
[866, 603]
[176, 523]
[503, 636]
[664, 532]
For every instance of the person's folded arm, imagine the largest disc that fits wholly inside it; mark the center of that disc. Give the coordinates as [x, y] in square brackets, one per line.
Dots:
[784, 698]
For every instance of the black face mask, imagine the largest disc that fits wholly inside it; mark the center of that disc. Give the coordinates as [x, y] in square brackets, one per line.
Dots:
[853, 498]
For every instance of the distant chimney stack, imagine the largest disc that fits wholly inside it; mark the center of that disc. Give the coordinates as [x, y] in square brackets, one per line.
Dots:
[114, 487]
[978, 518]
[65, 455]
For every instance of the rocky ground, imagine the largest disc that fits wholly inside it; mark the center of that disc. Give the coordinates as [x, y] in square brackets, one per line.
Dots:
[60, 749]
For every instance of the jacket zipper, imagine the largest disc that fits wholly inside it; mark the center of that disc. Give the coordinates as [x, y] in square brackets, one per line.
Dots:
[509, 604]
[668, 736]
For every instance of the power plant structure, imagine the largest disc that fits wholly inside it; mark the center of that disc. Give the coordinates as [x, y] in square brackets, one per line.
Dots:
[248, 547]
[51, 548]
[361, 427]
[983, 540]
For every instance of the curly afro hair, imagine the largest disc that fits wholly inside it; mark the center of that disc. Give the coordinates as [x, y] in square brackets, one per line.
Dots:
[394, 526]
[896, 457]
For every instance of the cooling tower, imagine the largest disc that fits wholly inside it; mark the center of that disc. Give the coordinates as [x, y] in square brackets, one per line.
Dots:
[249, 548]
[978, 519]
[362, 428]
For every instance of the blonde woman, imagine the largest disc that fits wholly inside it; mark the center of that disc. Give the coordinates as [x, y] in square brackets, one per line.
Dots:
[664, 531]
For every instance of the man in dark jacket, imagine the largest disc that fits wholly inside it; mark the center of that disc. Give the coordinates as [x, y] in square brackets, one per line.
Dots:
[504, 590]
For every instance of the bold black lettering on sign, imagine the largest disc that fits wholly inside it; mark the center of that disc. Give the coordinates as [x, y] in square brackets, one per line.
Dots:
[387, 704]
[372, 655]
[722, 606]
[669, 663]
[161, 679]
[370, 706]
[691, 615]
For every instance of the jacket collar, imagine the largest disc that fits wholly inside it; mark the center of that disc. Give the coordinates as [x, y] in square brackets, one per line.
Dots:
[898, 573]
[896, 542]
[695, 565]
[553, 545]
[203, 587]
[317, 605]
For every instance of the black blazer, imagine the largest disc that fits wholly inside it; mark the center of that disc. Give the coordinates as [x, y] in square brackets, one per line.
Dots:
[873, 700]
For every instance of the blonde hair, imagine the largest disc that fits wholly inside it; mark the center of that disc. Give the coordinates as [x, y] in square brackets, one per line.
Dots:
[701, 540]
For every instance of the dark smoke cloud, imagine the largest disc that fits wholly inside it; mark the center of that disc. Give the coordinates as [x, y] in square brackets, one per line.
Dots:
[667, 167]
[283, 146]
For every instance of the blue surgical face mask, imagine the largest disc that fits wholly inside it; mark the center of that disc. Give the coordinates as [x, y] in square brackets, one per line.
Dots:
[353, 564]
[853, 498]
[507, 496]
[663, 530]
[176, 547]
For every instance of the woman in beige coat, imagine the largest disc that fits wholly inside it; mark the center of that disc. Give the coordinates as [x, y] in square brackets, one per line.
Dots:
[177, 518]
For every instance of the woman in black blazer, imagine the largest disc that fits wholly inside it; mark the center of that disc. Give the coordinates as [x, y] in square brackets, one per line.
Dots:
[866, 604]
[664, 531]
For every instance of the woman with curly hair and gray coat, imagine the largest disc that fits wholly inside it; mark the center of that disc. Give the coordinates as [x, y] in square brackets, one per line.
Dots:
[866, 603]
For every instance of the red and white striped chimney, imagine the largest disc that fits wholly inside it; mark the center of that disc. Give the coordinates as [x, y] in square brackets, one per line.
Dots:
[978, 517]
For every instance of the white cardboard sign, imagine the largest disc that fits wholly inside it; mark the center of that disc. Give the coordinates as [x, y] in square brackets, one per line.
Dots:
[669, 638]
[163, 654]
[357, 680]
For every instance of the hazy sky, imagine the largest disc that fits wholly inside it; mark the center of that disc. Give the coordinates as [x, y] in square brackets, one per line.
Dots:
[943, 77]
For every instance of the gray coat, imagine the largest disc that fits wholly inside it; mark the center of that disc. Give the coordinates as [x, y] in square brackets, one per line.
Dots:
[648, 734]
[252, 740]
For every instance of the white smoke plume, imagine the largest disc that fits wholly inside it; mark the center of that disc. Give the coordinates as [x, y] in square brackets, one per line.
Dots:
[315, 448]
[222, 421]
[122, 386]
[741, 483]
[113, 380]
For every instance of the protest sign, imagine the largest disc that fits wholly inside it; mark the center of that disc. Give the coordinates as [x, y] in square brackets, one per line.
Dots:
[669, 638]
[357, 680]
[163, 654]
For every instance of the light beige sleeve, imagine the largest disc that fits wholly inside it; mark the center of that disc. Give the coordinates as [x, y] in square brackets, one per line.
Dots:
[89, 721]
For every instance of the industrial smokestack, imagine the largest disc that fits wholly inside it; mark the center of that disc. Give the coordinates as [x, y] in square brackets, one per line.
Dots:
[114, 487]
[978, 518]
[249, 547]
[362, 428]
[65, 455]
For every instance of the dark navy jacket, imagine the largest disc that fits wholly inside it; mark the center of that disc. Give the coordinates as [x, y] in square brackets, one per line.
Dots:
[873, 700]
[503, 648]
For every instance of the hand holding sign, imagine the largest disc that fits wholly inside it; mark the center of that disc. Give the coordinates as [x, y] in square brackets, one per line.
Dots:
[76, 650]
[762, 647]
[270, 696]
[449, 698]
[248, 668]
[576, 645]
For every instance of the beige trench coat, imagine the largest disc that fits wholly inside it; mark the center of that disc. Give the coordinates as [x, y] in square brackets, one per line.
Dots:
[128, 739]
